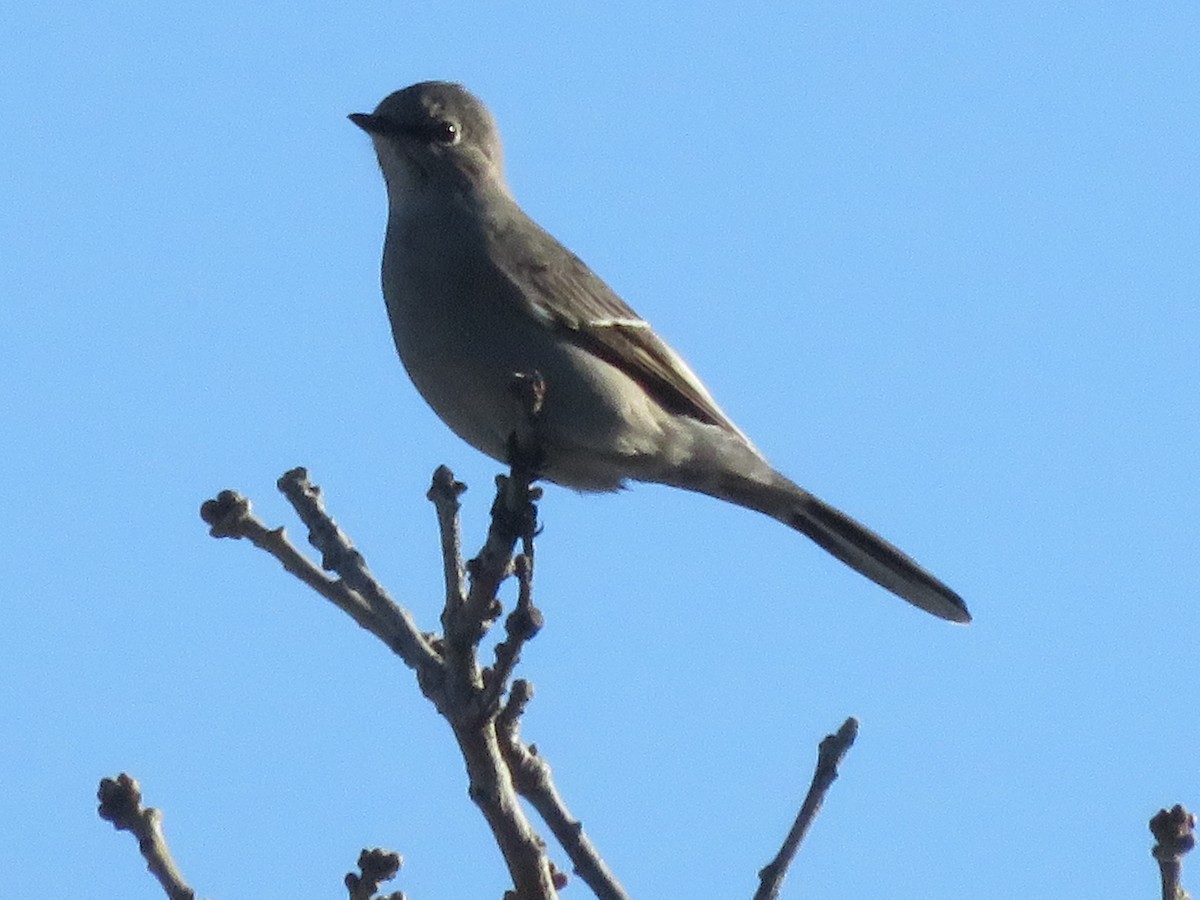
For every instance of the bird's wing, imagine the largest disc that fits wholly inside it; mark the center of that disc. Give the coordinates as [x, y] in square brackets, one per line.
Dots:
[563, 293]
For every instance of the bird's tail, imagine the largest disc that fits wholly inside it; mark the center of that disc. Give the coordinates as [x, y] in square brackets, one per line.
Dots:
[834, 531]
[866, 552]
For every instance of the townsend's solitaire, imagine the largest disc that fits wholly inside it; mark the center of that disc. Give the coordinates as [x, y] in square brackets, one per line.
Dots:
[477, 293]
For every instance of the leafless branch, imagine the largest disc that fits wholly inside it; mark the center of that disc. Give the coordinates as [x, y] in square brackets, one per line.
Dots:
[521, 626]
[1174, 833]
[829, 757]
[443, 493]
[448, 669]
[532, 776]
[359, 596]
[470, 696]
[469, 699]
[121, 803]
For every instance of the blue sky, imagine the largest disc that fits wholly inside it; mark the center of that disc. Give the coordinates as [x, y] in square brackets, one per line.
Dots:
[940, 261]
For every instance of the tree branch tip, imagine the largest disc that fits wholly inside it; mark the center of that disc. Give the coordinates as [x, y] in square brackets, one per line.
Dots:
[225, 514]
[847, 734]
[120, 800]
[444, 485]
[522, 690]
[530, 389]
[376, 866]
[1174, 832]
[519, 695]
[297, 477]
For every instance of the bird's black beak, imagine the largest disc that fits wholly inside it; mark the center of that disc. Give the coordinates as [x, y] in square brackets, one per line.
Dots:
[380, 126]
[367, 122]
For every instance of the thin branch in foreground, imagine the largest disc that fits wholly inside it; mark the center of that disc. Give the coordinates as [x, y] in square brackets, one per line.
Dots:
[469, 700]
[513, 518]
[376, 866]
[444, 491]
[521, 626]
[448, 670]
[1174, 833]
[339, 555]
[121, 803]
[531, 774]
[229, 516]
[829, 756]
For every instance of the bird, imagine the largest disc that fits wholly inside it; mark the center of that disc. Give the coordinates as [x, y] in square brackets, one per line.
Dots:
[477, 293]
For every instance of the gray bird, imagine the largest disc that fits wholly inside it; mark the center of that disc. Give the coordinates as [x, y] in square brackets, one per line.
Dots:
[477, 292]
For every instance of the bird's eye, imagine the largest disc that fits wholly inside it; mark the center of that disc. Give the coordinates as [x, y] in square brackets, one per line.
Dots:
[446, 132]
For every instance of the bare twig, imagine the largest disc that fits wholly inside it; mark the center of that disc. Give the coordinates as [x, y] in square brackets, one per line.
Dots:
[339, 555]
[450, 676]
[448, 668]
[376, 866]
[1174, 833]
[513, 517]
[470, 700]
[525, 455]
[491, 788]
[443, 493]
[229, 516]
[829, 757]
[532, 776]
[121, 803]
[522, 625]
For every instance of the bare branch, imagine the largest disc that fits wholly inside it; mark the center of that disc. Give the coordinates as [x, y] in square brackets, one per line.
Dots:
[339, 555]
[532, 776]
[444, 492]
[522, 625]
[229, 516]
[1174, 833]
[513, 517]
[448, 673]
[829, 757]
[469, 702]
[491, 788]
[376, 866]
[448, 669]
[121, 803]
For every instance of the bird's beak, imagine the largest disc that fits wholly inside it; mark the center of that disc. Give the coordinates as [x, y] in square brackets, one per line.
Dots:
[379, 126]
[367, 122]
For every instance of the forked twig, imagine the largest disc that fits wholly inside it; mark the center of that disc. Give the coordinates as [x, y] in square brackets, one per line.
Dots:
[533, 779]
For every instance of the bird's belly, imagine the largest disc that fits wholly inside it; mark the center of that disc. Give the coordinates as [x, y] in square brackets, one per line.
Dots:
[464, 362]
